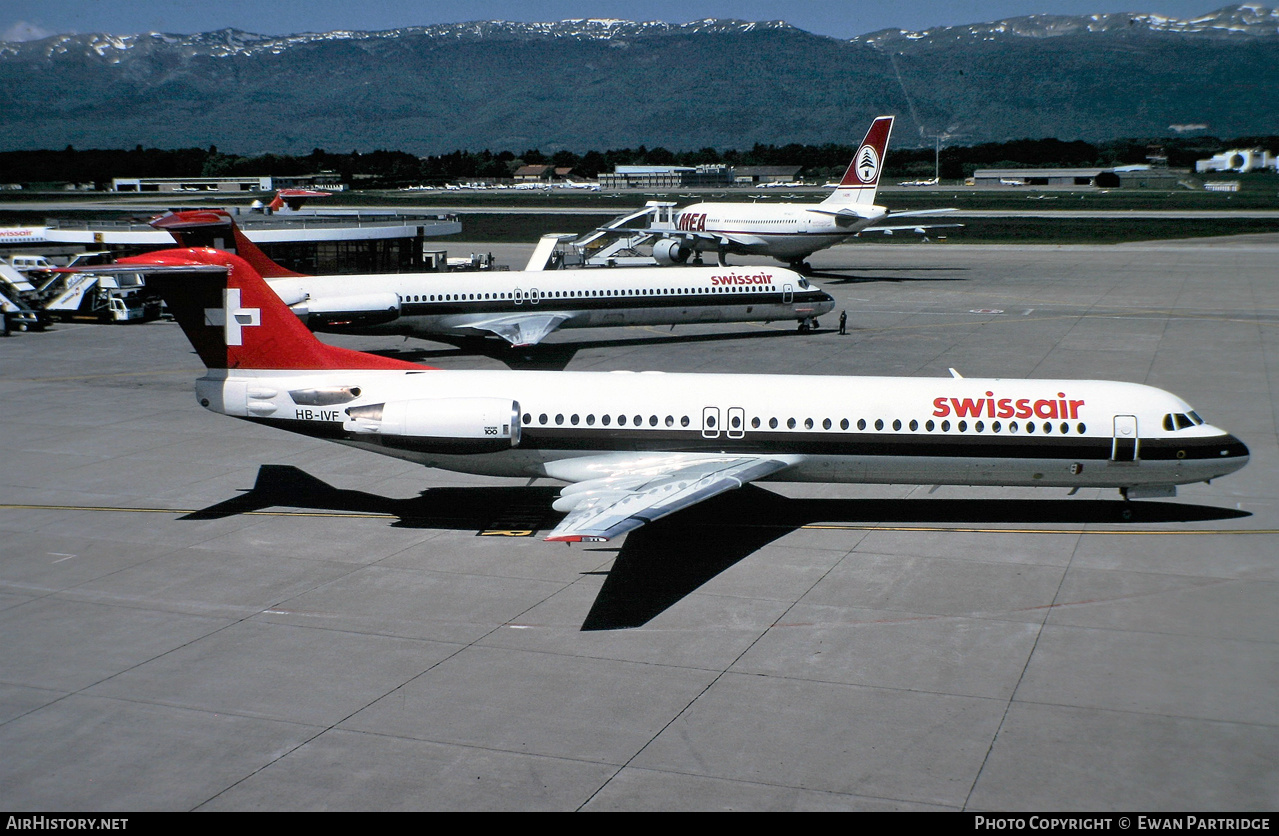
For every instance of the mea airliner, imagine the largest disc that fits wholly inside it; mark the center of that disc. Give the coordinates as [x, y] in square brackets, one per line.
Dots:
[520, 307]
[791, 232]
[635, 447]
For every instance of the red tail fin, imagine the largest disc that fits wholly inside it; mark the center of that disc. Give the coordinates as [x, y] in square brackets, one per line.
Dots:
[235, 321]
[861, 180]
[293, 199]
[217, 229]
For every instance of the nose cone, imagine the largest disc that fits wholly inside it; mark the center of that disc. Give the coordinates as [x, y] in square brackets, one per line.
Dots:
[1232, 450]
[826, 303]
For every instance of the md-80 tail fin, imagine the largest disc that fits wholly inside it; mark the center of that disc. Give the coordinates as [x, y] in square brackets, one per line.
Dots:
[233, 318]
[861, 180]
[217, 229]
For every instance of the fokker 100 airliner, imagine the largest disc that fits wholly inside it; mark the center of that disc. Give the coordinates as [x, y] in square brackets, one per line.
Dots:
[791, 232]
[520, 307]
[636, 447]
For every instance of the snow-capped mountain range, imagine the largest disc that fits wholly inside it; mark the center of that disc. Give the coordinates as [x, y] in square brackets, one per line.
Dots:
[596, 83]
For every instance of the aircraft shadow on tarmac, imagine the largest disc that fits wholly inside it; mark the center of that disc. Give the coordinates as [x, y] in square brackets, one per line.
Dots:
[557, 356]
[664, 561]
[841, 275]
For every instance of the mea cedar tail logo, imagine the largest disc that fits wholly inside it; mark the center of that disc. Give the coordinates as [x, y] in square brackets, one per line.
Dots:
[867, 164]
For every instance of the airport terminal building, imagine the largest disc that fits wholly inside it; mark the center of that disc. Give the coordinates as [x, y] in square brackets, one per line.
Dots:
[316, 244]
[1119, 177]
[667, 177]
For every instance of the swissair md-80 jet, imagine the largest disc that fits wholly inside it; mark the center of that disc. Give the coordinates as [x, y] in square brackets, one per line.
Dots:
[790, 232]
[636, 447]
[521, 307]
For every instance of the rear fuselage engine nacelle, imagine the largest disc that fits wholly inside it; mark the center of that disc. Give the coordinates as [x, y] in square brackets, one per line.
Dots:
[440, 425]
[352, 309]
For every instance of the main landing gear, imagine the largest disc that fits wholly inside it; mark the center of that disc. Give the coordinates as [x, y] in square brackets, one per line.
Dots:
[801, 266]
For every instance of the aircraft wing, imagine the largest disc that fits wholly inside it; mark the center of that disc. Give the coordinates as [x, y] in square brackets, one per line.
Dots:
[603, 508]
[521, 329]
[846, 215]
[917, 212]
[850, 213]
[715, 238]
[889, 230]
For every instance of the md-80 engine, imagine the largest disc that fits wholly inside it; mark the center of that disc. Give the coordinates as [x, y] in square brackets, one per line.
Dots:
[335, 313]
[440, 425]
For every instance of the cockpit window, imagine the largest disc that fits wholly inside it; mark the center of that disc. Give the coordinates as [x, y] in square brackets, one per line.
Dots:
[1181, 421]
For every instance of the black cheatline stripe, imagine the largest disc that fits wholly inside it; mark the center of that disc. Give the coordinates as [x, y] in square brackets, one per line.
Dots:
[847, 443]
[833, 443]
[591, 303]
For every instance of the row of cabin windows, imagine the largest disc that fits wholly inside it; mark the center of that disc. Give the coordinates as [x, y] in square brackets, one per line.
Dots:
[577, 294]
[735, 421]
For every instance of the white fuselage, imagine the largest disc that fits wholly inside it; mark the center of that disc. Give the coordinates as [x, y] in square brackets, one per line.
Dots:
[442, 304]
[786, 231]
[581, 425]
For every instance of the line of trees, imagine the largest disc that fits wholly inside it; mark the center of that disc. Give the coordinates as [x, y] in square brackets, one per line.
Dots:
[389, 169]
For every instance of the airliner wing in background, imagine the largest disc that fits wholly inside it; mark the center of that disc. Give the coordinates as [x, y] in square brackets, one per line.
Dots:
[520, 329]
[920, 228]
[842, 214]
[742, 240]
[853, 214]
[715, 238]
[885, 226]
[607, 507]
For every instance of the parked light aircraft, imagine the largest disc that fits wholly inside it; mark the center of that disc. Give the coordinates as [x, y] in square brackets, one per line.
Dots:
[791, 232]
[636, 447]
[520, 307]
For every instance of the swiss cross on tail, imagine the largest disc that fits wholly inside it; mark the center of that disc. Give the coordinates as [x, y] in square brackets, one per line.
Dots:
[232, 316]
[861, 180]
